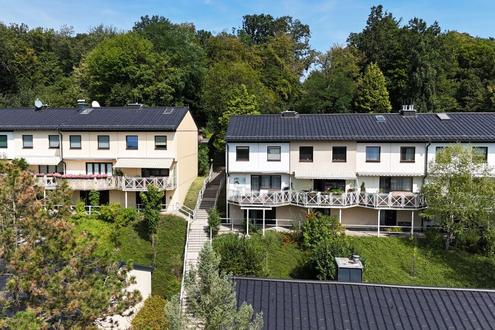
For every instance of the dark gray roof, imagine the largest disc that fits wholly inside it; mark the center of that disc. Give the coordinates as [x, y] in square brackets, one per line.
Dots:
[333, 305]
[93, 119]
[461, 127]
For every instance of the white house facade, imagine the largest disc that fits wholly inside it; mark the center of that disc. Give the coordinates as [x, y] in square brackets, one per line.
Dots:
[365, 169]
[118, 151]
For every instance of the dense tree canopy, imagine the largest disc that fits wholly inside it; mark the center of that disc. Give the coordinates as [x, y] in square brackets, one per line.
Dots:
[164, 63]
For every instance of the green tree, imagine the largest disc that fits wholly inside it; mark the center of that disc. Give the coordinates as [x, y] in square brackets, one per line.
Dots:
[126, 68]
[318, 227]
[372, 94]
[56, 278]
[460, 193]
[332, 86]
[324, 253]
[240, 102]
[152, 205]
[212, 297]
[203, 160]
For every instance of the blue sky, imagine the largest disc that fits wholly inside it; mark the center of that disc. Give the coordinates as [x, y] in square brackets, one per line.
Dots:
[331, 21]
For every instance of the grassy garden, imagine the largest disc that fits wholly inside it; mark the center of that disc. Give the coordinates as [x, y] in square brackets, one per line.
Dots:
[192, 193]
[131, 243]
[388, 260]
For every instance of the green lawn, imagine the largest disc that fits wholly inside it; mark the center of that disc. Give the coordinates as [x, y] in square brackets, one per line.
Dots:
[192, 194]
[135, 245]
[389, 260]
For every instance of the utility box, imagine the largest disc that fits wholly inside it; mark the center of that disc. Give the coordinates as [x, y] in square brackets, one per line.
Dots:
[349, 269]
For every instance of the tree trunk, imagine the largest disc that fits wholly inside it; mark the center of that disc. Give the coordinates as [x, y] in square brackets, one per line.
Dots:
[448, 241]
[153, 246]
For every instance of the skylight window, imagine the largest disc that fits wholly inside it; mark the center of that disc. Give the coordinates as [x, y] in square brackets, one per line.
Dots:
[168, 111]
[443, 116]
[380, 118]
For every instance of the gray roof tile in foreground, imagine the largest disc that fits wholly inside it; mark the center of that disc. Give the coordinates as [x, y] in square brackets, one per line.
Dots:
[292, 304]
[425, 127]
[92, 119]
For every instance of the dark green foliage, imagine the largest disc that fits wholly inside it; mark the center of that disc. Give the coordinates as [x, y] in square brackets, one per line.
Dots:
[324, 254]
[241, 256]
[94, 198]
[317, 228]
[152, 202]
[152, 315]
[214, 221]
[203, 160]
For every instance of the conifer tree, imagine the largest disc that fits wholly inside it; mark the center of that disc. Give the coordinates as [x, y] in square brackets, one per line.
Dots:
[372, 94]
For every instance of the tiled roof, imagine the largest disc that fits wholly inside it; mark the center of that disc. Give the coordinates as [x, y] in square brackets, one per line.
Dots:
[333, 305]
[461, 127]
[93, 119]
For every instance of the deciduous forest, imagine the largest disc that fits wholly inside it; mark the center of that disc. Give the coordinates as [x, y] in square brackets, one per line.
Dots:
[264, 66]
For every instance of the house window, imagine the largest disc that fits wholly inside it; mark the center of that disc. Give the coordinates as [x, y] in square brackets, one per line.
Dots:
[103, 142]
[154, 172]
[388, 184]
[3, 141]
[27, 142]
[53, 141]
[99, 168]
[273, 154]
[481, 152]
[305, 154]
[75, 141]
[132, 142]
[49, 169]
[160, 142]
[373, 154]
[407, 154]
[272, 182]
[242, 154]
[339, 154]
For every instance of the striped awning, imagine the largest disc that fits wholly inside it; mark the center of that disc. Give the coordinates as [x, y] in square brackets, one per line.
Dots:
[43, 160]
[324, 175]
[390, 174]
[144, 163]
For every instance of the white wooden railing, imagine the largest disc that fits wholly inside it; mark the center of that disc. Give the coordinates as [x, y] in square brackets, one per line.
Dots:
[321, 199]
[124, 183]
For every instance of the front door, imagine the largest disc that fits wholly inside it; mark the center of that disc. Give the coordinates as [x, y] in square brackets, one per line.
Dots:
[388, 218]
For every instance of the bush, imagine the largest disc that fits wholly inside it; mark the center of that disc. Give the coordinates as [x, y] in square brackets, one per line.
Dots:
[324, 253]
[203, 160]
[319, 227]
[152, 315]
[241, 256]
[108, 212]
[214, 221]
[94, 198]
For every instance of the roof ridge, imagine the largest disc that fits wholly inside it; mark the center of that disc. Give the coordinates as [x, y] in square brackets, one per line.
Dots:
[362, 284]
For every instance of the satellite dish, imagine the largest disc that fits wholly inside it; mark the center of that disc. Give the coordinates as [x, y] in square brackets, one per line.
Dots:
[38, 104]
[95, 104]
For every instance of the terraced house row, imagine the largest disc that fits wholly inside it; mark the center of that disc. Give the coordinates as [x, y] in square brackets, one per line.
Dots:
[117, 151]
[366, 169]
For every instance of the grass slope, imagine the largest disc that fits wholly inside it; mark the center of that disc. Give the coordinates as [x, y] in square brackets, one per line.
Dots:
[135, 246]
[390, 260]
[192, 194]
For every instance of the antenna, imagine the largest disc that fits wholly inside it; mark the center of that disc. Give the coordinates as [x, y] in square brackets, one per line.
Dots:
[38, 104]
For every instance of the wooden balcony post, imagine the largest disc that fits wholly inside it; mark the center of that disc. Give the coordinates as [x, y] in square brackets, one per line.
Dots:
[247, 222]
[263, 222]
[378, 224]
[125, 199]
[412, 223]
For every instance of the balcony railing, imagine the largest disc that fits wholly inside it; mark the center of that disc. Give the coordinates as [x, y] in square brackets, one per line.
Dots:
[123, 183]
[394, 200]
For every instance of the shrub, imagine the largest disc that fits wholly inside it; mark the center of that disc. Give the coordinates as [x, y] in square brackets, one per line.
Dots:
[434, 237]
[319, 227]
[241, 256]
[109, 212]
[203, 160]
[324, 253]
[214, 221]
[152, 315]
[94, 198]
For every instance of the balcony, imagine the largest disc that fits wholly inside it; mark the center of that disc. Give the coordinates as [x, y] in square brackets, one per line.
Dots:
[393, 200]
[103, 182]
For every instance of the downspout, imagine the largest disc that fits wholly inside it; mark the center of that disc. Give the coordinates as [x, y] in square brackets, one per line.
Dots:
[227, 206]
[61, 148]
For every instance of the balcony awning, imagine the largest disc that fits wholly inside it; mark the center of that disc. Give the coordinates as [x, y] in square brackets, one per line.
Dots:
[324, 175]
[390, 174]
[43, 160]
[144, 163]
